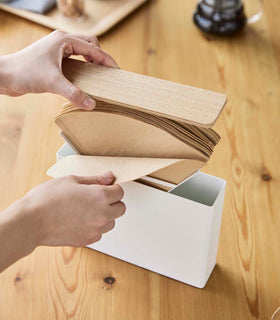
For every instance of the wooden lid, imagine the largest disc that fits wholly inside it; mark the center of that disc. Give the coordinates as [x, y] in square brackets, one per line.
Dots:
[169, 99]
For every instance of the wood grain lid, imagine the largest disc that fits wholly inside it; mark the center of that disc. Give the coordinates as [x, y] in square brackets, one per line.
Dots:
[161, 97]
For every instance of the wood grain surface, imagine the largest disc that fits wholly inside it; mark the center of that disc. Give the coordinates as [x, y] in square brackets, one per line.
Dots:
[147, 94]
[160, 40]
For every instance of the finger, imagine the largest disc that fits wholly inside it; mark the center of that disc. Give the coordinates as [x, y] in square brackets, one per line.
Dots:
[87, 38]
[79, 98]
[114, 193]
[116, 210]
[105, 179]
[93, 52]
[109, 226]
[94, 239]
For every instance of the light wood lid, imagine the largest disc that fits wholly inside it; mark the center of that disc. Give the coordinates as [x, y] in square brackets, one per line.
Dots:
[169, 99]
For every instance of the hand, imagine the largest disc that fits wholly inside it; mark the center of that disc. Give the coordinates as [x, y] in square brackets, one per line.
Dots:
[74, 211]
[37, 68]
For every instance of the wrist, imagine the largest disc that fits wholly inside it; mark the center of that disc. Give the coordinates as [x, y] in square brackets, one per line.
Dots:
[20, 219]
[18, 234]
[34, 216]
[6, 75]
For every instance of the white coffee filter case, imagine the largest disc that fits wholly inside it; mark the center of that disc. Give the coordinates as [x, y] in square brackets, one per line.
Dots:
[173, 233]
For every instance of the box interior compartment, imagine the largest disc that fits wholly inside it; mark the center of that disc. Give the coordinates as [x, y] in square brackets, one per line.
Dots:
[200, 187]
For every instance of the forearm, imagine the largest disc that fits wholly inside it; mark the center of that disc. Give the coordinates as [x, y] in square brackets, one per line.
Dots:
[18, 234]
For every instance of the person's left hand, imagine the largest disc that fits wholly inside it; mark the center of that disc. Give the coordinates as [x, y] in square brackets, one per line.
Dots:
[37, 68]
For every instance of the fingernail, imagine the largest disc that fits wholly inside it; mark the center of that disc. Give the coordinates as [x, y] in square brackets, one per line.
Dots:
[89, 103]
[108, 175]
[115, 65]
[112, 63]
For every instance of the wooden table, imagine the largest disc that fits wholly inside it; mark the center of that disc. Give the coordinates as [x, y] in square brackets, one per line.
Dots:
[160, 40]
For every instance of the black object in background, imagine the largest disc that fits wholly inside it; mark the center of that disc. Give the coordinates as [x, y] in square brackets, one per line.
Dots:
[220, 16]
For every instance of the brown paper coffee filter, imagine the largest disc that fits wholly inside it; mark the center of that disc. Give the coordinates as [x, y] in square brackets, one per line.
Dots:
[135, 130]
[124, 169]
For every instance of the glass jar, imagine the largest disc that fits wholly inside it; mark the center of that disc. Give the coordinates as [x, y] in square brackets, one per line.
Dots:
[220, 16]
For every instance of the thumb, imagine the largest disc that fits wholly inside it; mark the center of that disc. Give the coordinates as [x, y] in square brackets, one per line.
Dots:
[104, 179]
[79, 98]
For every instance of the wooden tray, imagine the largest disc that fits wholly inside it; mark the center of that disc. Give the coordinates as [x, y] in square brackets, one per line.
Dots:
[101, 16]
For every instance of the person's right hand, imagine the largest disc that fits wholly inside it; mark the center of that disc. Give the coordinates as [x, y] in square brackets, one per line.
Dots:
[37, 68]
[74, 211]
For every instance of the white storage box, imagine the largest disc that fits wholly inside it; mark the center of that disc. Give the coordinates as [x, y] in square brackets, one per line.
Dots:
[173, 233]
[149, 129]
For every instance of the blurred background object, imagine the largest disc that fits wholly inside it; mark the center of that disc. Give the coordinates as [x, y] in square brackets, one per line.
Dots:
[71, 8]
[220, 16]
[38, 6]
[74, 16]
